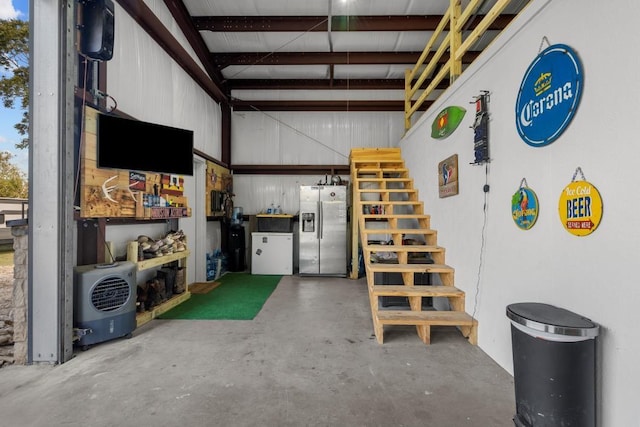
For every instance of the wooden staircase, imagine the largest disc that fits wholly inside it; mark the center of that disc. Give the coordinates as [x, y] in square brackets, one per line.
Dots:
[385, 202]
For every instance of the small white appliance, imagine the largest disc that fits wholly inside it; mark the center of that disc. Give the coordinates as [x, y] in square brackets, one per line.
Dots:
[272, 253]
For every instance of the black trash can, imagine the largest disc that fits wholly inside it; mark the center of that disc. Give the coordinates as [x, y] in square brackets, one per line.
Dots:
[236, 248]
[554, 366]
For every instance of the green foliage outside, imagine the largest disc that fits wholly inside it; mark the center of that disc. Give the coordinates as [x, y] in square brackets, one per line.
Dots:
[14, 60]
[13, 182]
[14, 93]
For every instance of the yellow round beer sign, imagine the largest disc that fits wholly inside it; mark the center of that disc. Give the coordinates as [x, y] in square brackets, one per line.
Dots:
[580, 208]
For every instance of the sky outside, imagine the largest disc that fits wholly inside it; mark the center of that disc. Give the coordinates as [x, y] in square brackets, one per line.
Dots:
[9, 137]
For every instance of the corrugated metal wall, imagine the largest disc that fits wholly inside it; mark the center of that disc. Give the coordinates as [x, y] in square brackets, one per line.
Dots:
[496, 262]
[149, 85]
[300, 138]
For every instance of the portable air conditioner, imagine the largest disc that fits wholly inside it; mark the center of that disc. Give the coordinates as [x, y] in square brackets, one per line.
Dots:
[104, 306]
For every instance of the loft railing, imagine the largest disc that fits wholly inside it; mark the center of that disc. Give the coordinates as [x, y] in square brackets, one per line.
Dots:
[447, 37]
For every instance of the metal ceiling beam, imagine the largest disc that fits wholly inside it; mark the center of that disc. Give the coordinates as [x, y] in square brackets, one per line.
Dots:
[338, 23]
[144, 16]
[181, 15]
[293, 84]
[338, 84]
[334, 105]
[223, 60]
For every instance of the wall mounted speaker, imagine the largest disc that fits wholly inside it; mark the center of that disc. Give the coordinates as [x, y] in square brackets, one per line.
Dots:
[97, 29]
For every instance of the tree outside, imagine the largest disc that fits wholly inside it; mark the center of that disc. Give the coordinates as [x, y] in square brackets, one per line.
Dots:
[14, 81]
[14, 94]
[13, 182]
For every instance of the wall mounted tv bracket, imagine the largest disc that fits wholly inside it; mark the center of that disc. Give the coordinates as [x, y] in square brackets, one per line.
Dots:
[481, 129]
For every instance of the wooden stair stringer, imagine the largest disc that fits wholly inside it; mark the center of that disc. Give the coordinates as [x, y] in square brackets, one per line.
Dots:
[384, 193]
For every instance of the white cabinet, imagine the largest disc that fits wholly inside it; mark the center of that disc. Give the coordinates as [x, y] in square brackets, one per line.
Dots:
[271, 253]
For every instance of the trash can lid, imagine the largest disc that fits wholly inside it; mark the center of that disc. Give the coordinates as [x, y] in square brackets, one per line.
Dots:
[551, 319]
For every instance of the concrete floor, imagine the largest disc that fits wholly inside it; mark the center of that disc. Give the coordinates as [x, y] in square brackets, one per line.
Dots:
[307, 359]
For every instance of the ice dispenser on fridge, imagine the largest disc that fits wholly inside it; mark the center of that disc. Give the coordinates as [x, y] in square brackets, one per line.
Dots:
[308, 222]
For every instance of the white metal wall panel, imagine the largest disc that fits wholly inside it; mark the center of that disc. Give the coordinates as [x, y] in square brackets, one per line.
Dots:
[386, 7]
[257, 7]
[307, 138]
[255, 193]
[48, 283]
[161, 11]
[316, 7]
[275, 71]
[352, 71]
[498, 264]
[148, 85]
[383, 41]
[266, 42]
[279, 138]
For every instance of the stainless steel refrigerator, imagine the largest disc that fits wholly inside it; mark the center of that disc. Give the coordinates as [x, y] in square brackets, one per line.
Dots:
[323, 230]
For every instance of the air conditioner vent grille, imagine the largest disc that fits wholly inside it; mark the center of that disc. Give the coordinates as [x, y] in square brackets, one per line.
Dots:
[110, 294]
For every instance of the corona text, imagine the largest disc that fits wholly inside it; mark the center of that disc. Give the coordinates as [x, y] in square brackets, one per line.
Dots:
[536, 108]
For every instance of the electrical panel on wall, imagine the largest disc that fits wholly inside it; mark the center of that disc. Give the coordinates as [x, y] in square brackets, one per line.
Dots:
[481, 129]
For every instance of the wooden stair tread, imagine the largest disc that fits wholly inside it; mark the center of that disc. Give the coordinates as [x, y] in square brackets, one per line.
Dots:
[375, 179]
[398, 231]
[429, 317]
[366, 152]
[369, 170]
[377, 163]
[391, 202]
[382, 267]
[374, 155]
[376, 159]
[403, 248]
[386, 190]
[416, 291]
[396, 216]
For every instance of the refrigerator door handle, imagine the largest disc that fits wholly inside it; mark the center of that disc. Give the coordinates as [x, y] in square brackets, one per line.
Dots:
[320, 220]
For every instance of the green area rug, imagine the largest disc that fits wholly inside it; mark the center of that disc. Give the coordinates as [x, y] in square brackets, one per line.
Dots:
[239, 297]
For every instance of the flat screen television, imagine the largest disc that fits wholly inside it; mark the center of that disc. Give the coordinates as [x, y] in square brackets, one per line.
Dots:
[135, 145]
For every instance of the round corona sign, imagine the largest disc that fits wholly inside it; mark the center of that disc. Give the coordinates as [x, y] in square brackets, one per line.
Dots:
[524, 208]
[580, 208]
[549, 95]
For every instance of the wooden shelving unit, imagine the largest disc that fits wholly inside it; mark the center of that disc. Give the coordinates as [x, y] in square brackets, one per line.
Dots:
[132, 255]
[147, 316]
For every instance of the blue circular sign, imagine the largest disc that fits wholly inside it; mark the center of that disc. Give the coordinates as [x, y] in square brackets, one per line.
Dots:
[549, 95]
